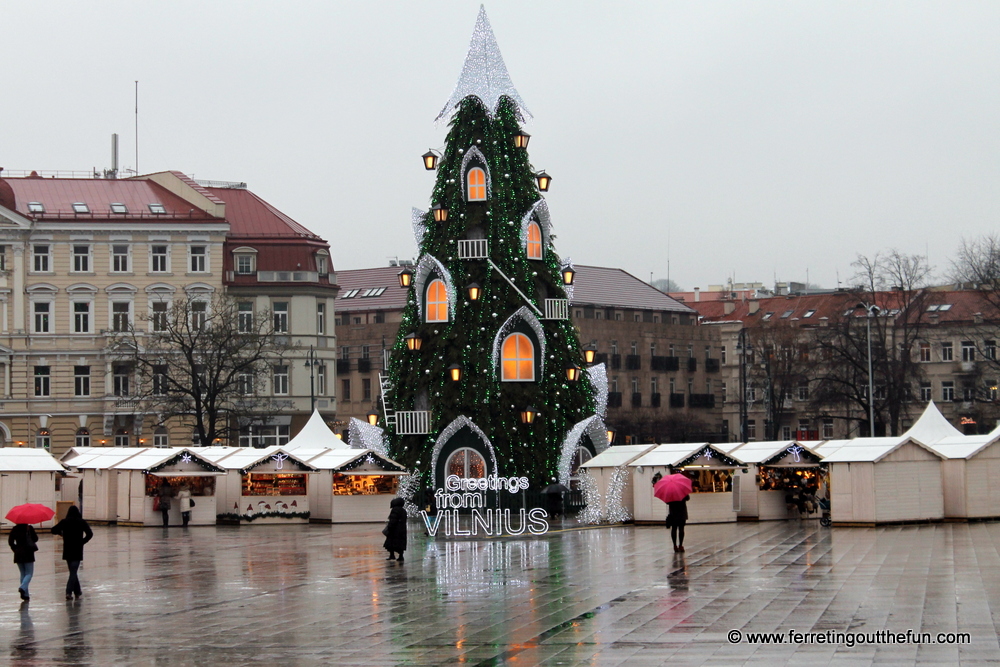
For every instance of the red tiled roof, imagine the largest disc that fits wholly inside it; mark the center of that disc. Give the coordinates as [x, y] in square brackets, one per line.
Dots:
[57, 196]
[251, 216]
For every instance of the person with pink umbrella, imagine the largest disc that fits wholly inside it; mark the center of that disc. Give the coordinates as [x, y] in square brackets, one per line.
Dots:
[23, 540]
[675, 491]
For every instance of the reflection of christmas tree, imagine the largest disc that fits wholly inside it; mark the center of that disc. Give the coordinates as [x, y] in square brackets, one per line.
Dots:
[512, 343]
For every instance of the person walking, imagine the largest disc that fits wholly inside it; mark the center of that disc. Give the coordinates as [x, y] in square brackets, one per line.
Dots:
[23, 541]
[185, 502]
[75, 533]
[165, 492]
[677, 516]
[395, 530]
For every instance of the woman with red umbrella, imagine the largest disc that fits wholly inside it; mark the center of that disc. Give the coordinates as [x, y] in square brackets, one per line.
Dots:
[675, 491]
[24, 542]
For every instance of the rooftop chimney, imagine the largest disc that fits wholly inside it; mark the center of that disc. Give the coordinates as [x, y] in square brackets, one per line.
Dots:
[697, 294]
[754, 306]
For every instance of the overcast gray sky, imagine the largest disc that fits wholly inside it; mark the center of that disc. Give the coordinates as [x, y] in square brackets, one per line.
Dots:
[755, 139]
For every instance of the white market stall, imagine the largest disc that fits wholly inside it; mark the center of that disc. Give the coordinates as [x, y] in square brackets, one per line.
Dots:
[94, 486]
[351, 485]
[27, 475]
[266, 485]
[614, 499]
[883, 480]
[140, 477]
[780, 473]
[711, 472]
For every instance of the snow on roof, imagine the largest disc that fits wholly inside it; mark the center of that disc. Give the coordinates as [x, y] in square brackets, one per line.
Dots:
[671, 454]
[336, 459]
[758, 451]
[964, 446]
[28, 459]
[315, 434]
[150, 457]
[932, 426]
[866, 449]
[241, 458]
[618, 455]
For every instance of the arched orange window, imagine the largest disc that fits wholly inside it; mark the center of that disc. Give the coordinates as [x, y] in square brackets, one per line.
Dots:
[518, 357]
[437, 301]
[534, 241]
[476, 184]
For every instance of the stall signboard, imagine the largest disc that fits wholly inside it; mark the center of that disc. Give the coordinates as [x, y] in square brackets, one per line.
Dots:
[470, 494]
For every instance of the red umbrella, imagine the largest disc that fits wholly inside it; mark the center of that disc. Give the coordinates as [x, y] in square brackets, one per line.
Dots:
[29, 513]
[672, 488]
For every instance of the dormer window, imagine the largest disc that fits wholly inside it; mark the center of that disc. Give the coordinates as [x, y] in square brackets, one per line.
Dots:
[534, 244]
[119, 208]
[80, 207]
[35, 207]
[437, 301]
[157, 209]
[476, 184]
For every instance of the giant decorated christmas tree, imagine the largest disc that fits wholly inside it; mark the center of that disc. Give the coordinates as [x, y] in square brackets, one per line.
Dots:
[486, 376]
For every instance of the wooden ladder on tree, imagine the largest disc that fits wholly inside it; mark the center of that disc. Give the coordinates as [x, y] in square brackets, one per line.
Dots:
[386, 388]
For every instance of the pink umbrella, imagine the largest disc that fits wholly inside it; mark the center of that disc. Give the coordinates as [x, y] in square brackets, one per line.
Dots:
[29, 513]
[672, 488]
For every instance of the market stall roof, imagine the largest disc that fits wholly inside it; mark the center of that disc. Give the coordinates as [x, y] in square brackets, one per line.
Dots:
[315, 434]
[617, 455]
[964, 446]
[932, 427]
[101, 457]
[766, 452]
[245, 459]
[344, 460]
[28, 459]
[153, 459]
[861, 450]
[687, 453]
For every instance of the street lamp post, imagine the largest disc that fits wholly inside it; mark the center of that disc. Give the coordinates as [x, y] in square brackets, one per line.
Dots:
[312, 380]
[743, 348]
[871, 310]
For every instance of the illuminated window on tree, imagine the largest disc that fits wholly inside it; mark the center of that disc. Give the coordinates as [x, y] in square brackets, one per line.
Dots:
[476, 184]
[466, 462]
[437, 301]
[518, 356]
[534, 241]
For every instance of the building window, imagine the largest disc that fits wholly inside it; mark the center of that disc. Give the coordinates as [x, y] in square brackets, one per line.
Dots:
[366, 389]
[708, 351]
[321, 319]
[803, 391]
[476, 183]
[81, 317]
[244, 265]
[968, 350]
[83, 438]
[43, 384]
[120, 318]
[40, 258]
[654, 385]
[280, 379]
[948, 391]
[159, 318]
[321, 379]
[518, 359]
[119, 258]
[925, 351]
[263, 436]
[199, 258]
[160, 438]
[534, 240]
[160, 259]
[722, 355]
[199, 315]
[321, 264]
[42, 311]
[990, 350]
[244, 317]
[437, 301]
[724, 390]
[751, 430]
[121, 438]
[345, 390]
[345, 352]
[81, 258]
[380, 317]
[244, 384]
[827, 428]
[160, 380]
[81, 380]
[947, 352]
[120, 380]
[925, 391]
[43, 439]
[280, 316]
[786, 432]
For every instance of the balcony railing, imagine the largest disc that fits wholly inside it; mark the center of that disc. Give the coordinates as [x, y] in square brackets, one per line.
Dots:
[288, 276]
[633, 362]
[473, 248]
[614, 399]
[702, 401]
[413, 422]
[557, 309]
[677, 400]
[712, 365]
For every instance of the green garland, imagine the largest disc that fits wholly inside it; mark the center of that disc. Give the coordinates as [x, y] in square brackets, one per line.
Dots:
[715, 454]
[494, 406]
[174, 460]
[373, 459]
[302, 467]
[231, 516]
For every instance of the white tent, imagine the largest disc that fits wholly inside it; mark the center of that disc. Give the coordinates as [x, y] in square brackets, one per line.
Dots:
[763, 488]
[315, 435]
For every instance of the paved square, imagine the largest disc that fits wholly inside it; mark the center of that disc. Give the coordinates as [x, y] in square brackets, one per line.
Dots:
[313, 594]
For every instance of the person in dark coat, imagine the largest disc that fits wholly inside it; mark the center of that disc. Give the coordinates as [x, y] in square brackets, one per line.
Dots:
[23, 541]
[75, 533]
[165, 492]
[395, 530]
[677, 516]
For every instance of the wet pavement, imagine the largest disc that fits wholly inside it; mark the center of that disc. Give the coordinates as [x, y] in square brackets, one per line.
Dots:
[313, 594]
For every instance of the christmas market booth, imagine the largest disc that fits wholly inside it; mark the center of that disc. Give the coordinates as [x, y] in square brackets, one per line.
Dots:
[883, 480]
[267, 485]
[351, 485]
[612, 498]
[711, 471]
[93, 485]
[140, 478]
[784, 480]
[28, 475]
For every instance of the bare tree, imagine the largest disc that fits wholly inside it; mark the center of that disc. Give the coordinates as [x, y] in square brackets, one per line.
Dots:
[782, 368]
[206, 361]
[888, 297]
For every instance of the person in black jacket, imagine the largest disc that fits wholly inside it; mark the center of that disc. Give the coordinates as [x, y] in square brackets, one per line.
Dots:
[395, 530]
[24, 543]
[75, 533]
[677, 516]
